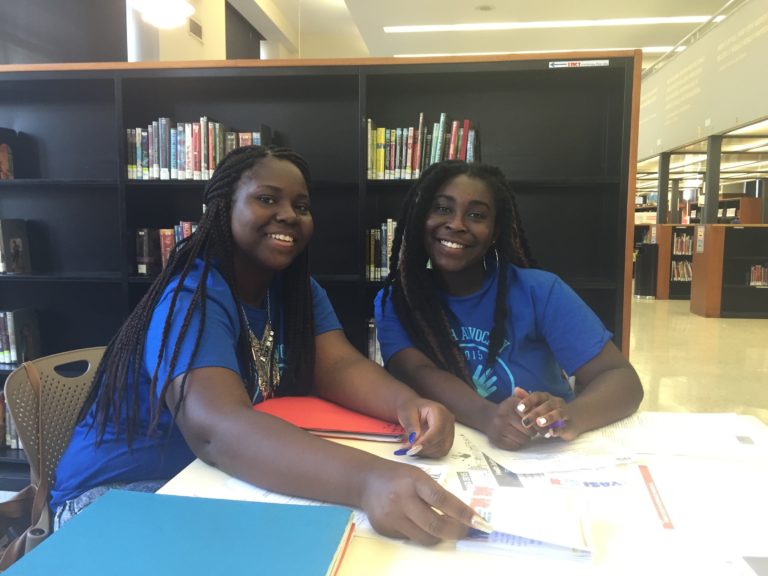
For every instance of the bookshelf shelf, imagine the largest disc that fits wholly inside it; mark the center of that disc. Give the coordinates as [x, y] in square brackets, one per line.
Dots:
[573, 194]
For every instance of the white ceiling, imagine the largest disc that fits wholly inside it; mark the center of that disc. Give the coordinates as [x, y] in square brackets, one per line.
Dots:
[337, 28]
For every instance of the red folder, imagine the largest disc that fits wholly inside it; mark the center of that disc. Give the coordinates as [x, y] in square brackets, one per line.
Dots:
[325, 418]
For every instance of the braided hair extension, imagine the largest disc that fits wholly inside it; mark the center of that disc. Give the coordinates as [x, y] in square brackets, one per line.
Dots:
[115, 389]
[412, 286]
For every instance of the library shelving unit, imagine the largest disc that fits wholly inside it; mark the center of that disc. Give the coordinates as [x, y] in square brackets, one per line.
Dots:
[673, 278]
[562, 127]
[722, 264]
[747, 209]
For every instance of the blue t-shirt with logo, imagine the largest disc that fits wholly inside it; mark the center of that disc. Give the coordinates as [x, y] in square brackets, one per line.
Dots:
[84, 465]
[549, 329]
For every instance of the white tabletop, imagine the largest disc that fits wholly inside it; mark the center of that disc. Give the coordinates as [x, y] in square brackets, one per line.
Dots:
[703, 513]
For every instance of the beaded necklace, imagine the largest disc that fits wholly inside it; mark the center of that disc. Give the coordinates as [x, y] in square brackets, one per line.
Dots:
[263, 353]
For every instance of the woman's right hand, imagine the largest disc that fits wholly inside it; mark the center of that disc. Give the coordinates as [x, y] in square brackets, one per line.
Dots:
[402, 501]
[504, 425]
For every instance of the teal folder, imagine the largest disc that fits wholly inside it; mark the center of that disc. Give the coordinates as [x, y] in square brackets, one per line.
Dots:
[134, 533]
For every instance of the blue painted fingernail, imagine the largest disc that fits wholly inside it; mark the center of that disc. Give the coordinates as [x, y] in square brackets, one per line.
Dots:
[557, 424]
[411, 437]
[401, 451]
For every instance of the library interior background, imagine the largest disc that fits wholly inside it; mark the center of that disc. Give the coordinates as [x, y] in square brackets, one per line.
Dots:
[677, 266]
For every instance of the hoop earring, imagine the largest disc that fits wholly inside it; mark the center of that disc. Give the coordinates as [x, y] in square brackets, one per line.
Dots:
[496, 254]
[429, 264]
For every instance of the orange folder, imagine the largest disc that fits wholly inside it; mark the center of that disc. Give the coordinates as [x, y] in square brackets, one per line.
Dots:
[327, 419]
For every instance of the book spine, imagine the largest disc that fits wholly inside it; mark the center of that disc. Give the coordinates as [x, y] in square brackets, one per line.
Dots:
[130, 147]
[155, 150]
[212, 160]
[189, 159]
[204, 148]
[371, 164]
[380, 139]
[453, 140]
[164, 147]
[398, 167]
[173, 159]
[11, 325]
[417, 153]
[464, 139]
[5, 344]
[144, 155]
[409, 154]
[196, 151]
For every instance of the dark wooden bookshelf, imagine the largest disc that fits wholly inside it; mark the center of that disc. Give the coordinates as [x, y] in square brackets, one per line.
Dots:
[721, 272]
[565, 136]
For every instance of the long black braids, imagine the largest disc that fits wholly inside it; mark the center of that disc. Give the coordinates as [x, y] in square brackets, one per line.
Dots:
[115, 390]
[412, 287]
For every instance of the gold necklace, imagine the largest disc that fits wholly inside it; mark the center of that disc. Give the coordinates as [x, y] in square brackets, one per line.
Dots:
[263, 353]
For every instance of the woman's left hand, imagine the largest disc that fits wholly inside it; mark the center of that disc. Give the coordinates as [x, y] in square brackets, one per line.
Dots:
[429, 426]
[546, 414]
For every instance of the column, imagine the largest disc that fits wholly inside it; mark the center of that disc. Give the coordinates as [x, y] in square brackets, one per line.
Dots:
[663, 202]
[674, 207]
[712, 180]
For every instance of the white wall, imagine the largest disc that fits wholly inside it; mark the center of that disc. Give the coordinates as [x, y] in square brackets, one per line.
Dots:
[179, 44]
[718, 83]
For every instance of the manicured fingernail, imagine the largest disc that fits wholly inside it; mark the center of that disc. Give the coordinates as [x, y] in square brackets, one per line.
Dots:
[415, 450]
[521, 407]
[479, 523]
[541, 421]
[401, 452]
[548, 434]
[557, 424]
[411, 437]
[526, 422]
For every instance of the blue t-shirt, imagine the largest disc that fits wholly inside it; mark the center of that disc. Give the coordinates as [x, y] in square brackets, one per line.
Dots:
[84, 465]
[549, 329]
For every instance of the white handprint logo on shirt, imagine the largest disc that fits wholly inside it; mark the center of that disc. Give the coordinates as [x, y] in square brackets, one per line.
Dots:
[484, 381]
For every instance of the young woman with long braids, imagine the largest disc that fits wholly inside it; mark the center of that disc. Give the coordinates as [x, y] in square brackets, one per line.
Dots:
[233, 319]
[465, 319]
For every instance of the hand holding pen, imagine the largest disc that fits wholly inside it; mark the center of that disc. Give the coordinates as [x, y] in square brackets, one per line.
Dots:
[430, 428]
[544, 414]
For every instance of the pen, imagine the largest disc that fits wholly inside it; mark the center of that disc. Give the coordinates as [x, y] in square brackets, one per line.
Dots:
[412, 451]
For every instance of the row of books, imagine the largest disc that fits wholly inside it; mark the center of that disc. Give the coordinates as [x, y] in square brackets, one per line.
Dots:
[186, 151]
[682, 244]
[154, 246]
[681, 271]
[14, 247]
[758, 275]
[379, 249]
[19, 336]
[403, 153]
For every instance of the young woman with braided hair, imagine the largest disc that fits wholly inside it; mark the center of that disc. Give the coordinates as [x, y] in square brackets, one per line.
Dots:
[465, 319]
[233, 319]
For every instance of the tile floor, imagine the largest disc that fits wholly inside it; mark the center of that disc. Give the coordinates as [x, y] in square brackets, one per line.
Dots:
[695, 364]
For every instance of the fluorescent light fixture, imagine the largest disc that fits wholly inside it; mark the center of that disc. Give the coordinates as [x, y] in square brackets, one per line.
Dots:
[490, 26]
[649, 49]
[164, 14]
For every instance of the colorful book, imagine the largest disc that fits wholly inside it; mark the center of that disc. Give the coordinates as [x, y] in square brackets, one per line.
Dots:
[328, 419]
[138, 533]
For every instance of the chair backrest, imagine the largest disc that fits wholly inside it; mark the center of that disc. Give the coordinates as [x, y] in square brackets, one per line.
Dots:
[63, 395]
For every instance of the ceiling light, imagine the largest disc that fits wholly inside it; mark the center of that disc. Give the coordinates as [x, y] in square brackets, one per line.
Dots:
[487, 26]
[164, 14]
